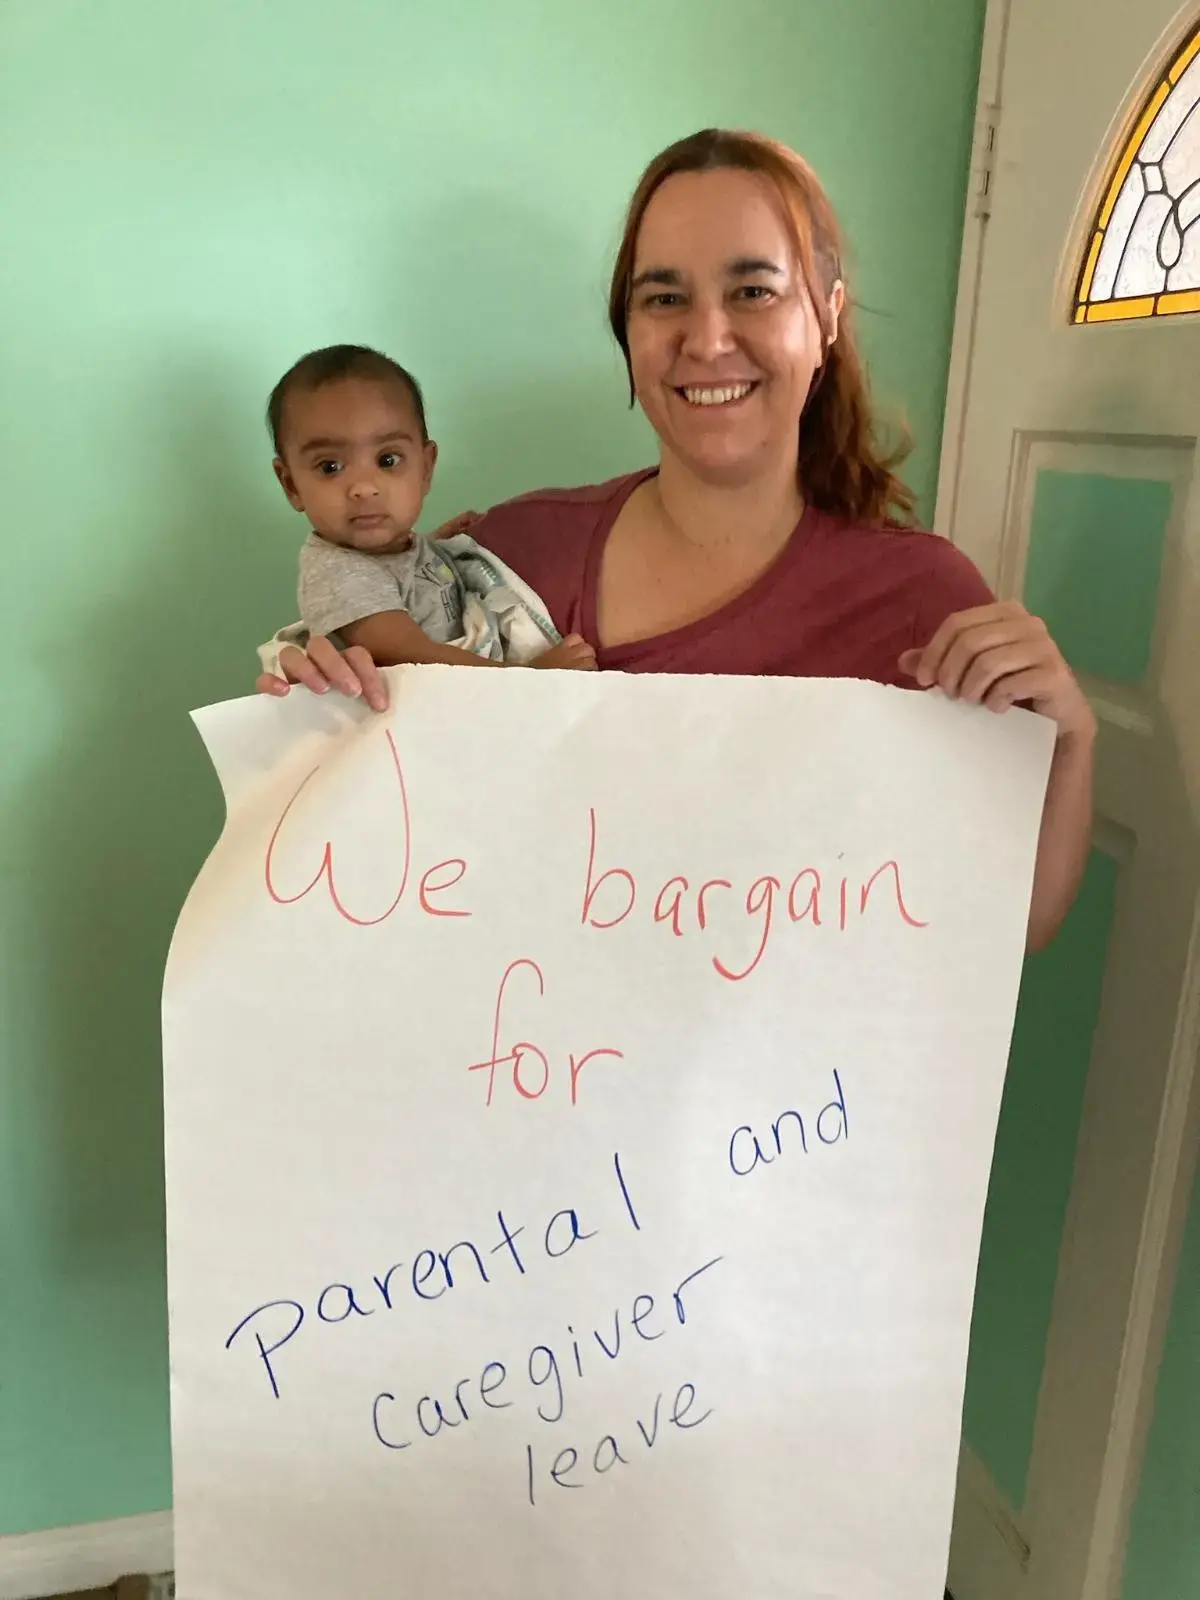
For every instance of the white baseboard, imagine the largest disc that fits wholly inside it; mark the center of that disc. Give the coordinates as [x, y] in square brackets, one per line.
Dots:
[84, 1557]
[988, 1553]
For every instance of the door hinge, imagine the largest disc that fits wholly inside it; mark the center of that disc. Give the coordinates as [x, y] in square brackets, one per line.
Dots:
[985, 159]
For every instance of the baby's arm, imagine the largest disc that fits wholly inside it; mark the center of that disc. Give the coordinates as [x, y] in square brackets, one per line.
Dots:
[393, 639]
[348, 592]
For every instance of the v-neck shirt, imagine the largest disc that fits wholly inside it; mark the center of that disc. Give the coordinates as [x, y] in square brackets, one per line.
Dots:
[842, 598]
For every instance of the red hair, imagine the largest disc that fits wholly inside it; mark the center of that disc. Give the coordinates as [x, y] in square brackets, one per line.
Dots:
[843, 466]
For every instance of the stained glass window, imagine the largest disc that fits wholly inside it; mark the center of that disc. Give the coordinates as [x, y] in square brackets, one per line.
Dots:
[1143, 255]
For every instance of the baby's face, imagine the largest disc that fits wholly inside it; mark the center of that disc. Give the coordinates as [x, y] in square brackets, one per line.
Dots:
[355, 463]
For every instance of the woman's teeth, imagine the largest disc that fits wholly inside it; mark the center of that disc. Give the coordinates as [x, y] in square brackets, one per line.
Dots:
[708, 395]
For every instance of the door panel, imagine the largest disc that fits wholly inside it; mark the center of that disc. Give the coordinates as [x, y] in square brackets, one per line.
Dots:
[1164, 1545]
[1031, 1181]
[1073, 485]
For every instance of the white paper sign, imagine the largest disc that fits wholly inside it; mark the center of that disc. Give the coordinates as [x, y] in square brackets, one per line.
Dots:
[580, 1099]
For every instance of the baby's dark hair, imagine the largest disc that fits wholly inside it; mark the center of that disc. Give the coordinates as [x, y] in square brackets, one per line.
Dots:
[331, 365]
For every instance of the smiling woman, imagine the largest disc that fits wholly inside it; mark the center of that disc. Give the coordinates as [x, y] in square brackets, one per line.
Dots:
[779, 298]
[773, 536]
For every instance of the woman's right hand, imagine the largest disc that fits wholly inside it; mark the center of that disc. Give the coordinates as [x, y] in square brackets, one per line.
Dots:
[323, 667]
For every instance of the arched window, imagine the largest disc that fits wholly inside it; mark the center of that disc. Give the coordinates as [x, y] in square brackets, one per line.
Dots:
[1143, 253]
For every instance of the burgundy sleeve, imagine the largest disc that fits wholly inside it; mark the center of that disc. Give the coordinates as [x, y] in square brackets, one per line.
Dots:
[954, 583]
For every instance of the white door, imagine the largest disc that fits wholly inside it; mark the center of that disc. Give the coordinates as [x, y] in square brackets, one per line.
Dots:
[1070, 476]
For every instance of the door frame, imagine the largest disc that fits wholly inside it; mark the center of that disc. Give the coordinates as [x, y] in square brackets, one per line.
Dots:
[1069, 1544]
[970, 262]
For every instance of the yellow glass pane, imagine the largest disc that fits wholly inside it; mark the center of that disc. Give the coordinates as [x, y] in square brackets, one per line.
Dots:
[1085, 287]
[1131, 149]
[1185, 58]
[1143, 249]
[1121, 310]
[1173, 305]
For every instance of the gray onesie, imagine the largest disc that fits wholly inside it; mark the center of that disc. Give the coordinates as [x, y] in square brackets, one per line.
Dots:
[339, 586]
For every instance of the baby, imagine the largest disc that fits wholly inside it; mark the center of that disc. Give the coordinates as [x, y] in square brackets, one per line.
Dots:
[352, 452]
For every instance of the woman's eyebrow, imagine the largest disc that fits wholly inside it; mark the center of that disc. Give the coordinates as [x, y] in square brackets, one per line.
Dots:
[668, 275]
[745, 266]
[741, 267]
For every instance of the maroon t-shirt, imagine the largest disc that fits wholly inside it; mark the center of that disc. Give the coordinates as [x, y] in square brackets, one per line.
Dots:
[842, 600]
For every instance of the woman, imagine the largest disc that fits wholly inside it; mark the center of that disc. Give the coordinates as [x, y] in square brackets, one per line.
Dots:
[770, 538]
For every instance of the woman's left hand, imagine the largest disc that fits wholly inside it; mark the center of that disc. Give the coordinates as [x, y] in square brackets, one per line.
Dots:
[998, 655]
[462, 523]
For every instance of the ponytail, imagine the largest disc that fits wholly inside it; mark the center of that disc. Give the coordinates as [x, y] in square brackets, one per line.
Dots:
[844, 467]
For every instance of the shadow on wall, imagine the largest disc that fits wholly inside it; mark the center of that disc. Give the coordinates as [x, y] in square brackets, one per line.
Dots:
[113, 828]
[518, 417]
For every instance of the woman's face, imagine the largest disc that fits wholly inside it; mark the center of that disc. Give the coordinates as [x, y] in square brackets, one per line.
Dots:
[723, 337]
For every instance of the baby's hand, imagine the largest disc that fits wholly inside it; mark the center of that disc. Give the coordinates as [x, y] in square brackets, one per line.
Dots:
[574, 654]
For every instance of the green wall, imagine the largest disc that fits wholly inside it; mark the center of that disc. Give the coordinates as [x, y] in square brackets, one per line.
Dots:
[193, 195]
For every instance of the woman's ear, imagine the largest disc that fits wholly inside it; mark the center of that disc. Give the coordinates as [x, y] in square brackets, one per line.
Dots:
[837, 301]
